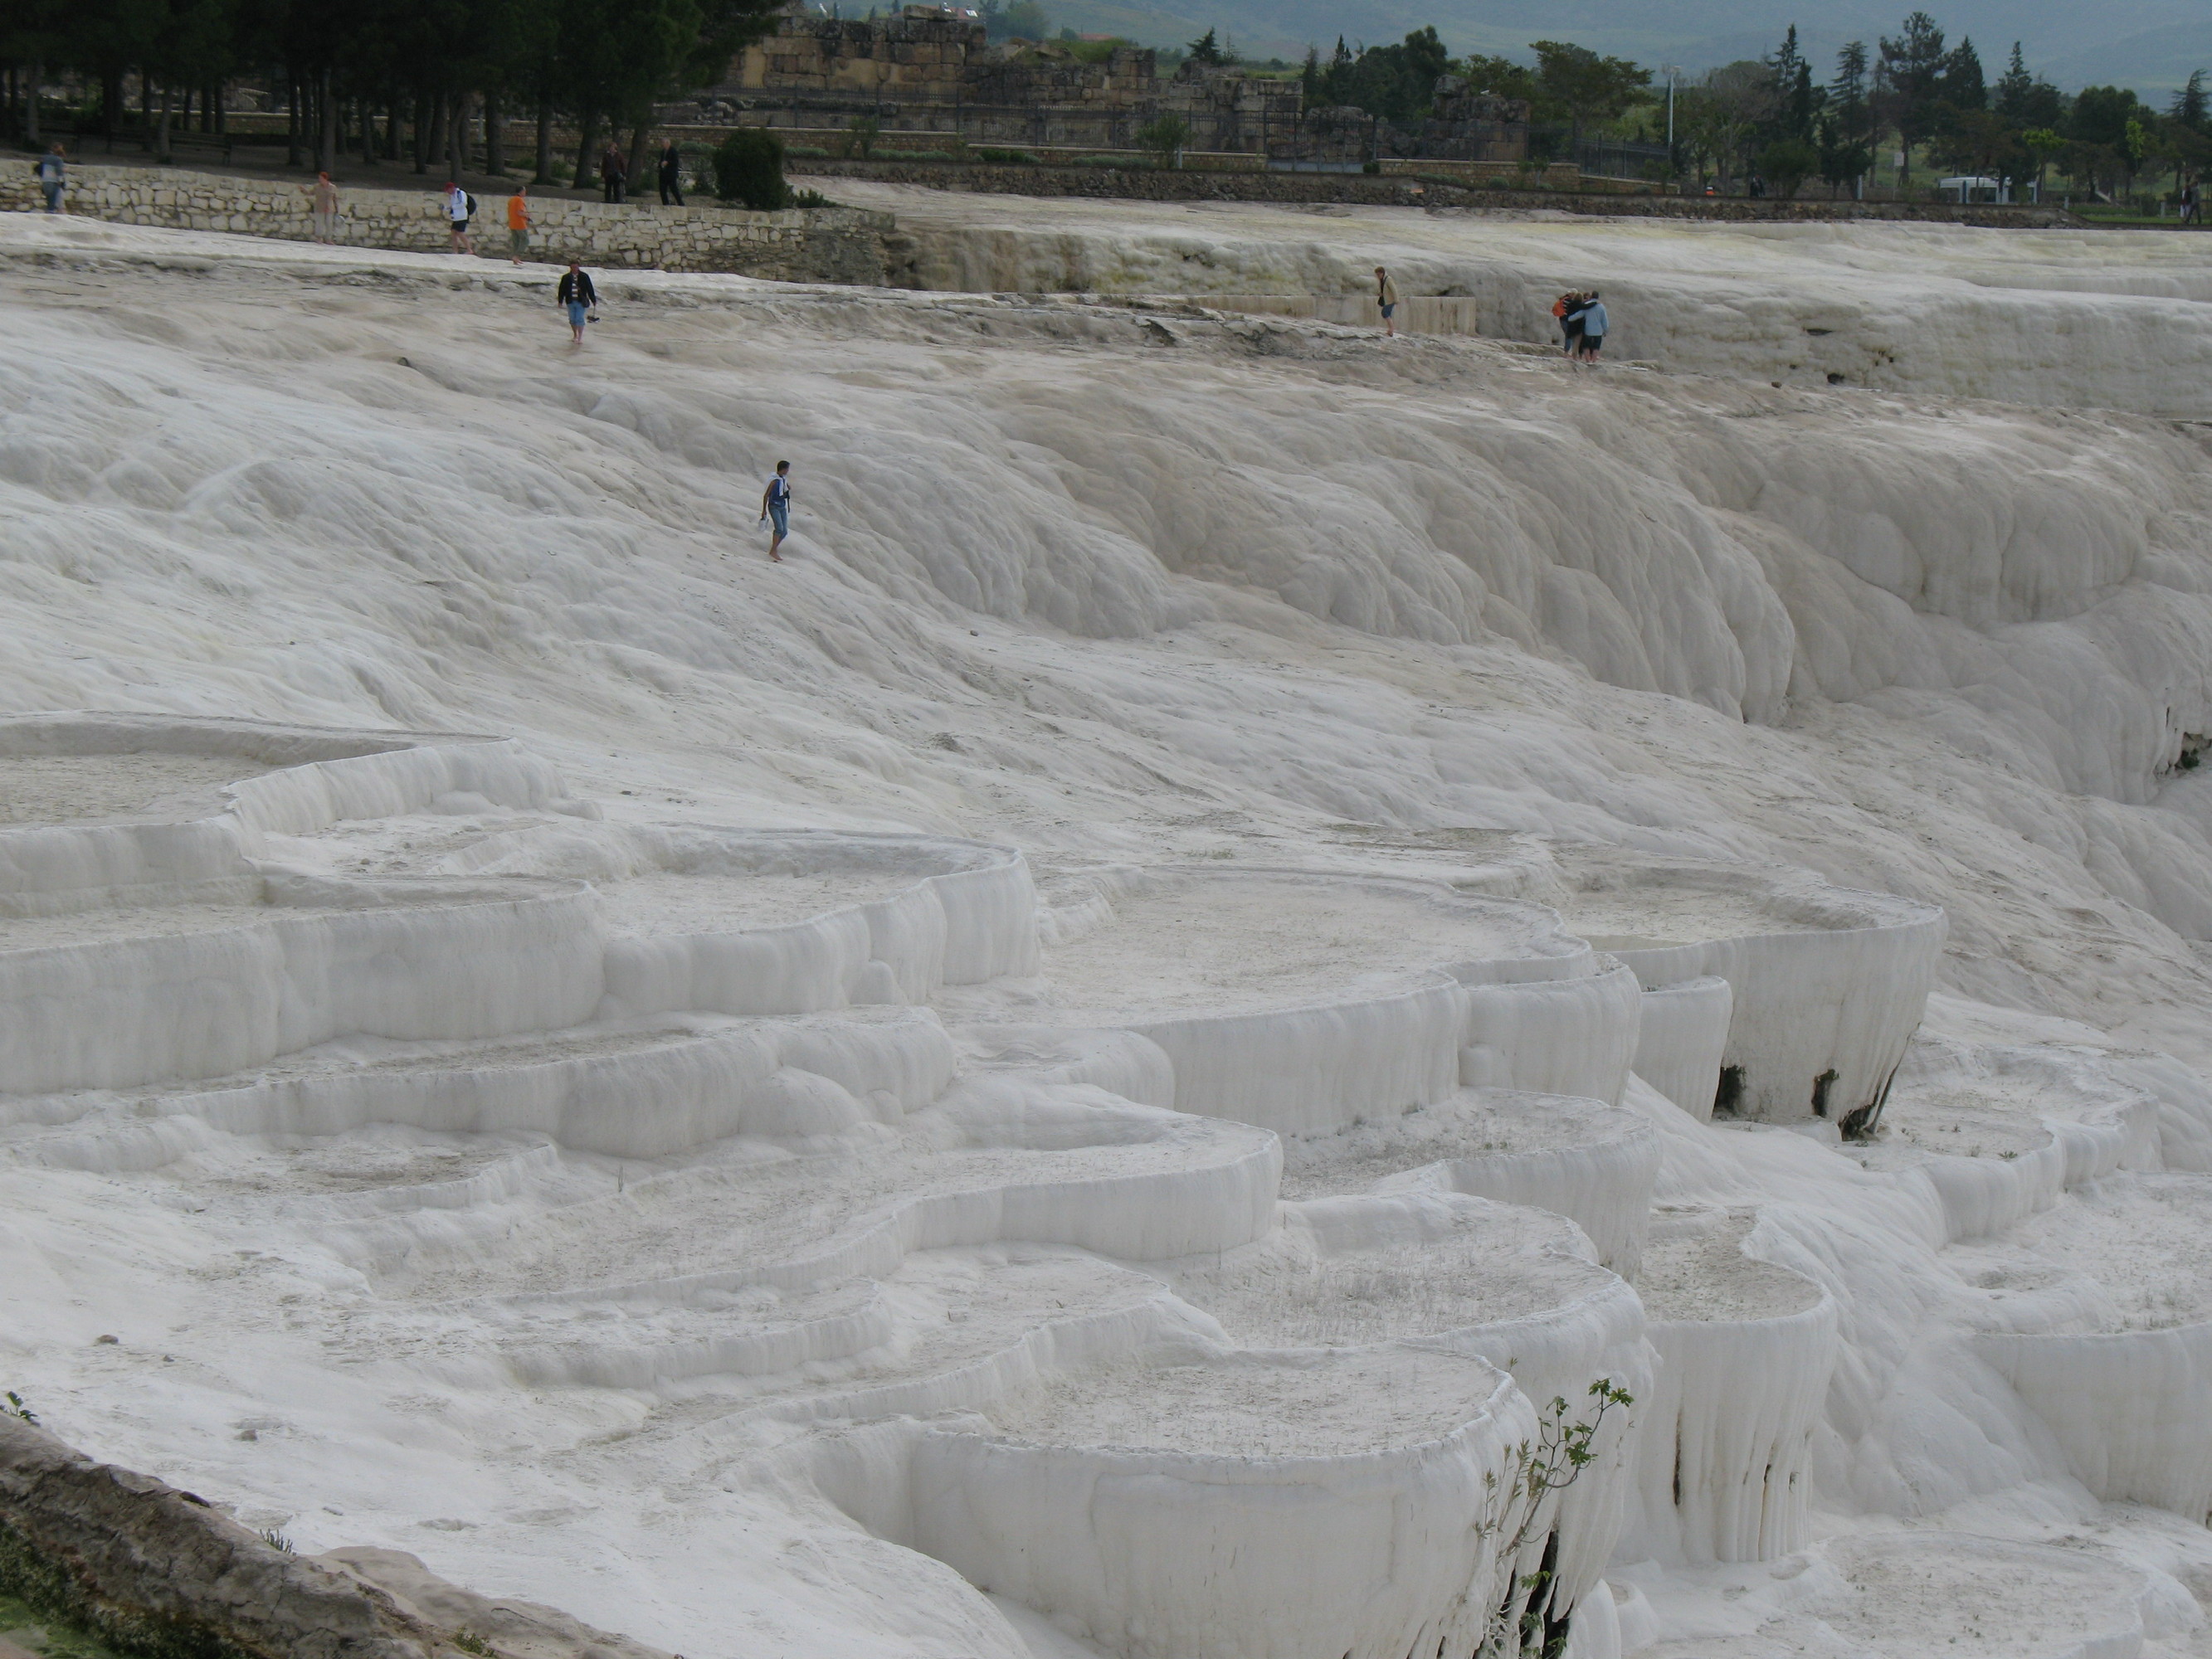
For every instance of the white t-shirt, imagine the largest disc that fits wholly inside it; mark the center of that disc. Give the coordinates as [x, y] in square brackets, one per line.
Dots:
[456, 206]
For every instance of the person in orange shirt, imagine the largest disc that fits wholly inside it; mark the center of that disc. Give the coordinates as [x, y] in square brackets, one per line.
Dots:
[517, 222]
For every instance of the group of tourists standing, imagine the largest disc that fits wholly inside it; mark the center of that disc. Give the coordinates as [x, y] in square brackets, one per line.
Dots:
[1580, 312]
[614, 174]
[1582, 324]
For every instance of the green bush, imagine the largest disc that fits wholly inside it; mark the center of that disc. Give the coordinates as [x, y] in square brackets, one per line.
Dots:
[1164, 136]
[1787, 165]
[1014, 158]
[748, 169]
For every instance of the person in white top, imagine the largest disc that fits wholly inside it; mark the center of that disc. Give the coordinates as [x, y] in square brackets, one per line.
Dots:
[459, 206]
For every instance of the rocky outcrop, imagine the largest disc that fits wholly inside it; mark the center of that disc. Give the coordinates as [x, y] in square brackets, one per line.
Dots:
[162, 1572]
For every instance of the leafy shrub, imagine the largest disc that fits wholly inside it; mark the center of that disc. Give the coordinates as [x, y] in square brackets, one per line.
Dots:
[1165, 139]
[865, 130]
[1787, 165]
[1012, 158]
[749, 170]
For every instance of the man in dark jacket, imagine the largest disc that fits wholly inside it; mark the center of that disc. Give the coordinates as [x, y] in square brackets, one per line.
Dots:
[672, 175]
[614, 172]
[576, 297]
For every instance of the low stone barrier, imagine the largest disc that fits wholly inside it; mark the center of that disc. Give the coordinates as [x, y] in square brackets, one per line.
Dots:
[818, 245]
[1411, 184]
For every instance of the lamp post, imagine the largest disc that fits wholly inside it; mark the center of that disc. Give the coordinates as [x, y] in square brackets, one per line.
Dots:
[1672, 71]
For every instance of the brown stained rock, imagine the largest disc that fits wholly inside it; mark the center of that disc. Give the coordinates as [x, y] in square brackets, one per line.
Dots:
[520, 1629]
[159, 1570]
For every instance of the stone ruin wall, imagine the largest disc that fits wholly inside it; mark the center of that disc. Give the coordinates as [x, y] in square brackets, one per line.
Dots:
[921, 72]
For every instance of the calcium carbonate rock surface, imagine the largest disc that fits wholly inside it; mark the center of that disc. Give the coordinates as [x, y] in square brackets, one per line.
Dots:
[1283, 995]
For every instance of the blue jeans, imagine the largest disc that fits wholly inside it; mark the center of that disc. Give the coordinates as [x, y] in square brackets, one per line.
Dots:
[53, 190]
[780, 512]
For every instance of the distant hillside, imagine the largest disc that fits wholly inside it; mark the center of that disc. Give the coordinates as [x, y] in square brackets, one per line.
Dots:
[2149, 44]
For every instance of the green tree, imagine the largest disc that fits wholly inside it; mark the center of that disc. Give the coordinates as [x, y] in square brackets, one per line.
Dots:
[2193, 106]
[1798, 100]
[749, 170]
[1730, 106]
[1206, 49]
[1500, 77]
[1165, 135]
[1963, 86]
[1576, 82]
[1018, 20]
[1846, 127]
[1912, 68]
[2041, 143]
[1786, 164]
[2014, 89]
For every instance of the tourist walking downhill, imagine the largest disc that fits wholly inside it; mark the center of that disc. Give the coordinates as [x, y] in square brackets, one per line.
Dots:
[1386, 301]
[323, 203]
[460, 208]
[518, 224]
[776, 503]
[49, 174]
[672, 175]
[576, 297]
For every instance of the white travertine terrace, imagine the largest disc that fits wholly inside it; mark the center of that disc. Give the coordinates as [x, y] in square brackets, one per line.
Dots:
[1549, 879]
[1228, 1162]
[1826, 986]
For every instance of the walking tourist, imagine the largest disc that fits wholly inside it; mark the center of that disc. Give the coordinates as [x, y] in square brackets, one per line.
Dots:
[1594, 321]
[48, 172]
[576, 297]
[460, 208]
[614, 172]
[672, 175]
[323, 200]
[2192, 203]
[1386, 301]
[776, 503]
[518, 224]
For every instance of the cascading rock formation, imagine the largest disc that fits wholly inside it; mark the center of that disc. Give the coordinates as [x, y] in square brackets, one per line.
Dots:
[1273, 1003]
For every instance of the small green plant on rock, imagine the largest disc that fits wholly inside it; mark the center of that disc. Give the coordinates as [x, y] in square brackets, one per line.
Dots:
[1548, 1464]
[469, 1642]
[16, 1407]
[274, 1539]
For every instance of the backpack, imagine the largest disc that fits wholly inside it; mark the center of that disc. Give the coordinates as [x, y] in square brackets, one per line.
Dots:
[472, 205]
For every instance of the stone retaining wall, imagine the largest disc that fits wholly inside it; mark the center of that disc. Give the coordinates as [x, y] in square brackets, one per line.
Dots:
[1573, 193]
[816, 245]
